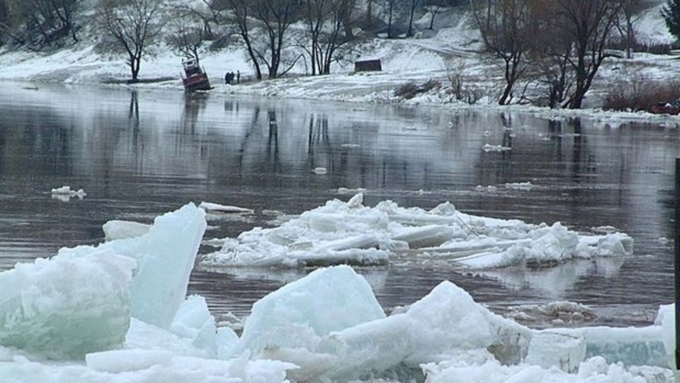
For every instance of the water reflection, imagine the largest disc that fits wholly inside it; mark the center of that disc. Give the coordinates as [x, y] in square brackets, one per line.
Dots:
[555, 282]
[141, 153]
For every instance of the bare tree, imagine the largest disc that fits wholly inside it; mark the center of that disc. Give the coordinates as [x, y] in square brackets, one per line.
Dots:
[241, 10]
[434, 8]
[368, 18]
[571, 45]
[45, 22]
[327, 22]
[9, 22]
[554, 70]
[4, 12]
[506, 29]
[187, 34]
[630, 14]
[391, 5]
[316, 16]
[413, 5]
[550, 55]
[132, 25]
[587, 24]
[271, 20]
[65, 10]
[209, 12]
[275, 17]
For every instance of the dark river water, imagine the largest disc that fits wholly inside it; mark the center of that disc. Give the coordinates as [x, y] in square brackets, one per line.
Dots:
[139, 154]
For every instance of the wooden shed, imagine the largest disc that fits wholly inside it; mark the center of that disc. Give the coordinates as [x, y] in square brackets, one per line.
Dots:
[367, 65]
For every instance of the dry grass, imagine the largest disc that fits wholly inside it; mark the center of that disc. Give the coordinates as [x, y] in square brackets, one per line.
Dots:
[411, 89]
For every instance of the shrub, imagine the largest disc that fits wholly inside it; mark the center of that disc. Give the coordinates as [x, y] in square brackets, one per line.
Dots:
[429, 85]
[454, 73]
[471, 95]
[407, 91]
[457, 87]
[638, 92]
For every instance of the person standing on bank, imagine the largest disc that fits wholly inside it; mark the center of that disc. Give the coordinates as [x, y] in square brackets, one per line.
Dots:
[238, 76]
[229, 77]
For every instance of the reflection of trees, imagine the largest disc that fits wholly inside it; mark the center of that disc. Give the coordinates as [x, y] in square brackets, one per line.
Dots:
[318, 141]
[273, 141]
[193, 105]
[556, 282]
[133, 111]
[231, 106]
[251, 128]
[348, 168]
[582, 159]
[270, 160]
[555, 132]
[3, 151]
[562, 148]
[579, 142]
[133, 126]
[279, 147]
[506, 120]
[45, 136]
[496, 167]
[107, 148]
[133, 116]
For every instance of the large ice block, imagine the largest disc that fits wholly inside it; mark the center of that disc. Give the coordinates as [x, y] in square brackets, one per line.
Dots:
[67, 306]
[445, 322]
[165, 257]
[193, 321]
[632, 346]
[550, 348]
[300, 313]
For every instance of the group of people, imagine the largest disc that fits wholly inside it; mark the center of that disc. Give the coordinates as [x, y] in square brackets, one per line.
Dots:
[229, 77]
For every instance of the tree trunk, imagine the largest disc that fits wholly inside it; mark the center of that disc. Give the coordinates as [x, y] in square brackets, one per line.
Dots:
[134, 67]
[369, 13]
[389, 23]
[253, 57]
[630, 38]
[434, 12]
[510, 78]
[577, 99]
[313, 55]
[410, 19]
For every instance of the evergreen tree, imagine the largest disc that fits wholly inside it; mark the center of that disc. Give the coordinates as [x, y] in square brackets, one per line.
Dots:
[671, 14]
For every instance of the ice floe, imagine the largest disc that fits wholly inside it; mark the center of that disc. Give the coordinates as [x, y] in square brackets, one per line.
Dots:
[117, 313]
[351, 233]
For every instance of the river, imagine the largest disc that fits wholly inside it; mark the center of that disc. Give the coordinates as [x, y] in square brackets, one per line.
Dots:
[140, 153]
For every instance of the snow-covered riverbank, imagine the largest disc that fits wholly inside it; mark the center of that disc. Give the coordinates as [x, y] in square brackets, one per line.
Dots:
[455, 50]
